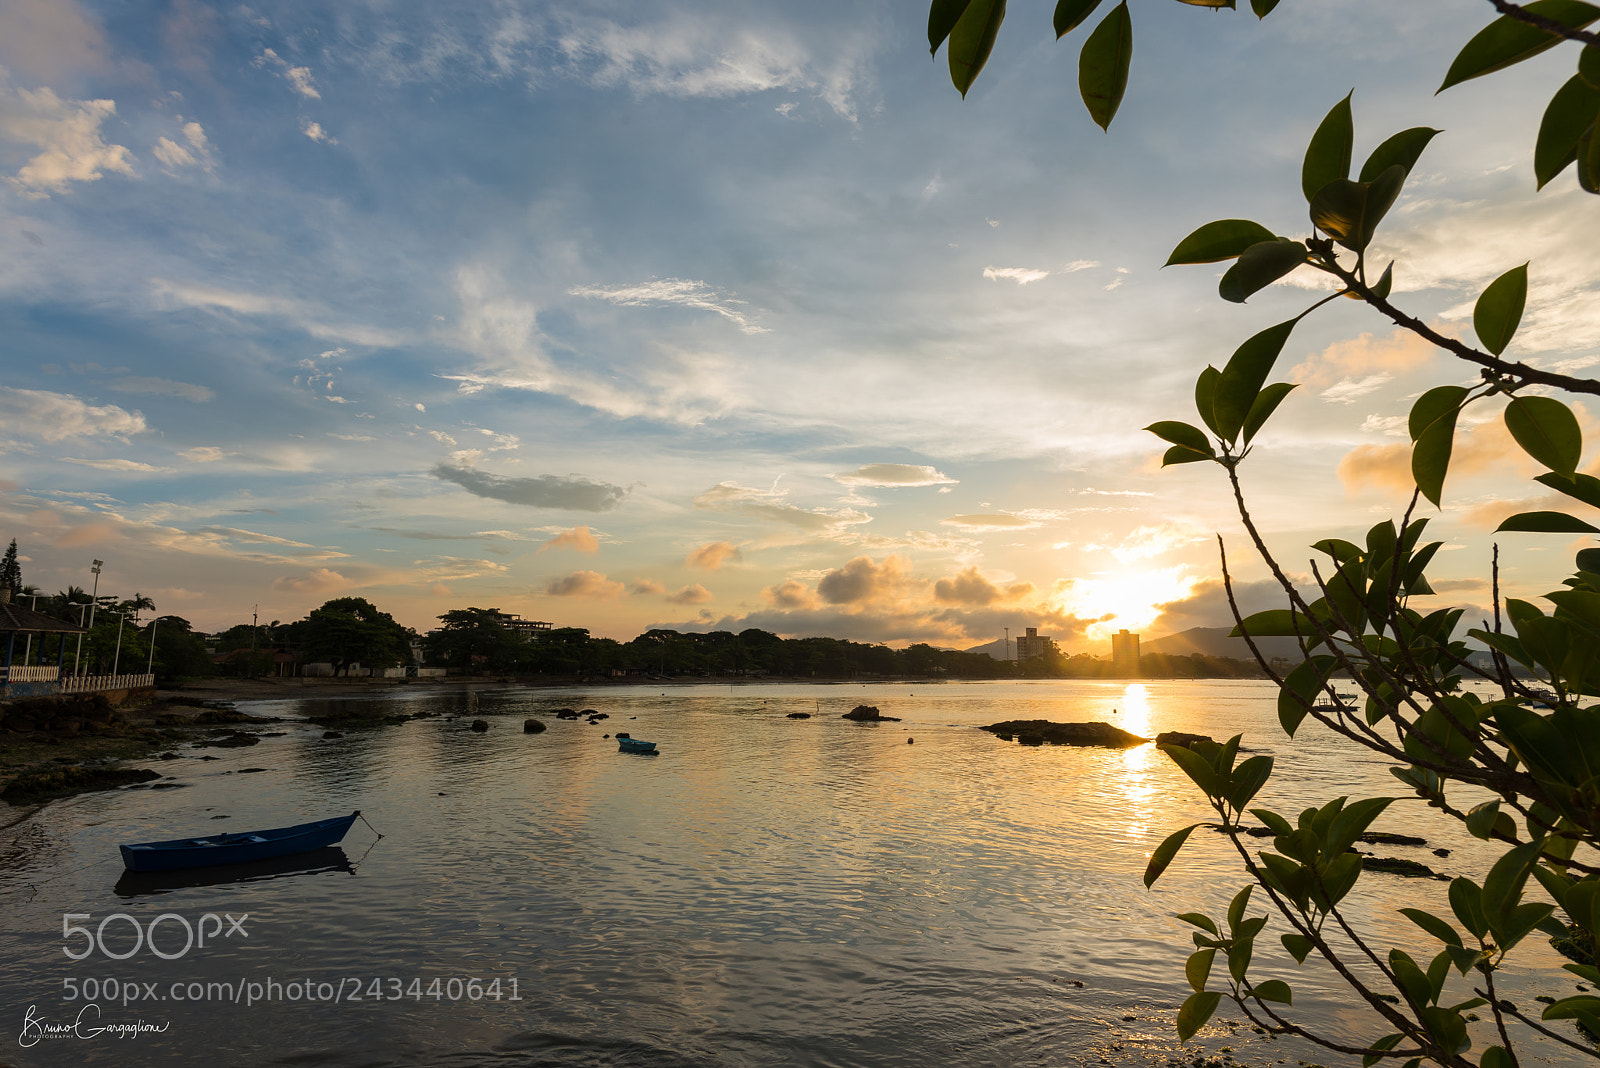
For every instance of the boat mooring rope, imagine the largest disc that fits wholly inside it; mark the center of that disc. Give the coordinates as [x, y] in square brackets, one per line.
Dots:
[371, 828]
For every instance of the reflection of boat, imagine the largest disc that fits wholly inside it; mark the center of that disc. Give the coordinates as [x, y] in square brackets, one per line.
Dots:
[316, 862]
[236, 848]
[634, 745]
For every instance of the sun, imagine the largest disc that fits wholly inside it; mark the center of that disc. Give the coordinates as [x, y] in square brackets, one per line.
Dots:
[1125, 600]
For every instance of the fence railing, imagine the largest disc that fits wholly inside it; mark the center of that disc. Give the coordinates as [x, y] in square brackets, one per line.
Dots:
[92, 683]
[30, 673]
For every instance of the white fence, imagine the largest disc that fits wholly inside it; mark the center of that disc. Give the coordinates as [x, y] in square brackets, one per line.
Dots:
[92, 683]
[30, 673]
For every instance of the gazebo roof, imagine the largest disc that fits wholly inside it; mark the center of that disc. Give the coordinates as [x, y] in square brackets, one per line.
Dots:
[14, 617]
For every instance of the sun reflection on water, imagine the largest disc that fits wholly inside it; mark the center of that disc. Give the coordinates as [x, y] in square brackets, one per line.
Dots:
[1138, 778]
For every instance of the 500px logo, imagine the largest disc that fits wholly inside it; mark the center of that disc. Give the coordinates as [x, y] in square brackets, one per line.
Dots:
[145, 935]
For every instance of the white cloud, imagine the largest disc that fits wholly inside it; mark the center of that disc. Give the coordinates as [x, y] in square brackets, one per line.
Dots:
[67, 132]
[1345, 391]
[1020, 275]
[1395, 425]
[989, 522]
[682, 291]
[50, 416]
[1080, 265]
[117, 465]
[299, 78]
[895, 475]
[773, 507]
[162, 387]
[202, 454]
[197, 153]
[315, 131]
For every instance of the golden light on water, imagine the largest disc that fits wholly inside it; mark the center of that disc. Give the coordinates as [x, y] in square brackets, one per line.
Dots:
[1129, 600]
[1137, 781]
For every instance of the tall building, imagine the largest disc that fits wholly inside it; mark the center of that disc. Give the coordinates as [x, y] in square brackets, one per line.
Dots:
[1125, 654]
[1034, 644]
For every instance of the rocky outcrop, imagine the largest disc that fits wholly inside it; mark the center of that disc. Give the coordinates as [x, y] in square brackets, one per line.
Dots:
[532, 726]
[798, 715]
[868, 714]
[48, 783]
[1043, 731]
[480, 725]
[1180, 738]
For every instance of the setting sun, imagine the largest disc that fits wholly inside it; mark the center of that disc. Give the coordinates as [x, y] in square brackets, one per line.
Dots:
[1129, 600]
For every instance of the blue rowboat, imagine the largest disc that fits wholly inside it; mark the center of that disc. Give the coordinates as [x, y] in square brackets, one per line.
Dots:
[634, 745]
[236, 848]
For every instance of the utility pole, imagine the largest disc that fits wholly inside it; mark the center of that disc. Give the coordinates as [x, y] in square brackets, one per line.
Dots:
[148, 664]
[116, 661]
[94, 598]
[79, 652]
[1008, 645]
[255, 620]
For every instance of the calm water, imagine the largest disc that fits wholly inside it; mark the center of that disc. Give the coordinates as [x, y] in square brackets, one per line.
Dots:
[766, 891]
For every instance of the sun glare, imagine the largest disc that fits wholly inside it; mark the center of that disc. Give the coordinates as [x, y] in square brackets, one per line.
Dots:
[1130, 600]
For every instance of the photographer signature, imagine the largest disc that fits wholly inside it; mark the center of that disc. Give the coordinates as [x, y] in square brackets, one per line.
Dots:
[36, 1028]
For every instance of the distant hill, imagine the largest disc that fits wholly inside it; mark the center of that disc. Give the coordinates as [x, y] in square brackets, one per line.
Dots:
[995, 649]
[1214, 641]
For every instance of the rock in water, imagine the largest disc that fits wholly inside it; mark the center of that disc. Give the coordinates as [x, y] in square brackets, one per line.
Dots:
[868, 714]
[1040, 731]
[1180, 738]
[532, 726]
[480, 725]
[798, 715]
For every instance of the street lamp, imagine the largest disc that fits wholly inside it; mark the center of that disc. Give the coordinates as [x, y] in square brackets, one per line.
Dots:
[78, 653]
[94, 598]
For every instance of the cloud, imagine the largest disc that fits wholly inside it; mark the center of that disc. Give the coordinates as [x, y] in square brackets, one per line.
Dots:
[698, 56]
[92, 533]
[320, 581]
[117, 465]
[712, 555]
[680, 291]
[1487, 446]
[1147, 541]
[162, 387]
[315, 131]
[197, 153]
[863, 580]
[589, 584]
[1080, 265]
[895, 475]
[577, 539]
[645, 587]
[58, 416]
[237, 534]
[48, 40]
[971, 588]
[299, 78]
[1399, 353]
[772, 507]
[1346, 390]
[67, 132]
[978, 524]
[1020, 275]
[202, 454]
[543, 491]
[694, 594]
[789, 595]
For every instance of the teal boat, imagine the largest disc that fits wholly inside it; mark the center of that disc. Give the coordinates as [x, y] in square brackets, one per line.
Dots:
[634, 745]
[236, 848]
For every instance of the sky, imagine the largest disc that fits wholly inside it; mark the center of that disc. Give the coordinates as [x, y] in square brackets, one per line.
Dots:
[706, 314]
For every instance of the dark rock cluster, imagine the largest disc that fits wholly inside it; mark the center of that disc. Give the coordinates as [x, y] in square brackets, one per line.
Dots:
[1043, 731]
[868, 714]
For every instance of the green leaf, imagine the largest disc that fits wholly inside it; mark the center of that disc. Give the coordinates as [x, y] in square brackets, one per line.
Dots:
[1205, 390]
[1273, 990]
[1327, 157]
[1385, 283]
[1263, 8]
[1589, 65]
[1266, 403]
[942, 18]
[1436, 404]
[1103, 65]
[1071, 13]
[1546, 523]
[1273, 623]
[1198, 968]
[1236, 907]
[1412, 982]
[1220, 240]
[1239, 958]
[1205, 923]
[1259, 266]
[1547, 431]
[1404, 149]
[1352, 821]
[1164, 854]
[971, 40]
[1499, 309]
[1349, 212]
[1496, 1057]
[1300, 690]
[1506, 41]
[1299, 946]
[1433, 925]
[1447, 1028]
[1570, 1008]
[1502, 888]
[1430, 459]
[1580, 486]
[1241, 380]
[1195, 1011]
[1570, 114]
[1181, 434]
[1197, 767]
[1248, 779]
[1182, 454]
[1482, 818]
[1387, 1042]
[1466, 901]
